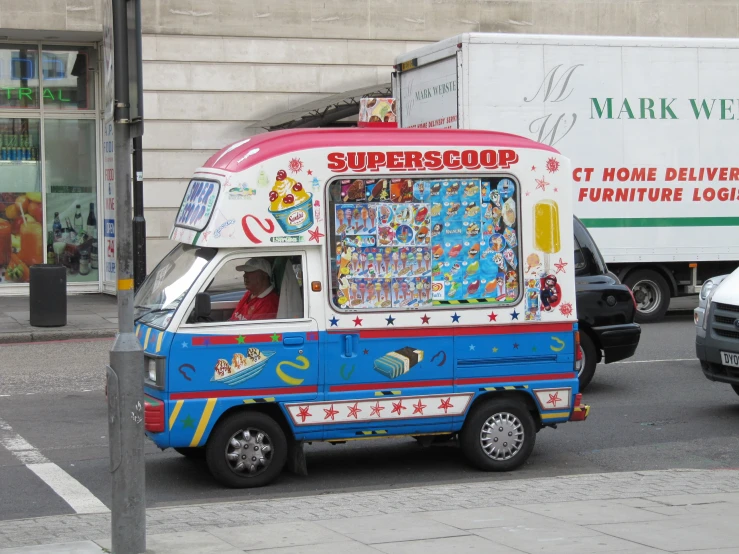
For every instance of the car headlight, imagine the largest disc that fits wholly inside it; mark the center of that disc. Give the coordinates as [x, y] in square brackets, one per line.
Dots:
[154, 368]
[708, 307]
[706, 289]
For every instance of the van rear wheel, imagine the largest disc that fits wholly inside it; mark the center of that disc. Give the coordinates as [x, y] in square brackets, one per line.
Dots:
[245, 450]
[498, 435]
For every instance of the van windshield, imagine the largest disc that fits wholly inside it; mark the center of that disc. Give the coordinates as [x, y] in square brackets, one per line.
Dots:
[166, 286]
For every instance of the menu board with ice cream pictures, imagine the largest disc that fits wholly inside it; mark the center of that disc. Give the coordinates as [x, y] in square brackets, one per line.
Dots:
[413, 243]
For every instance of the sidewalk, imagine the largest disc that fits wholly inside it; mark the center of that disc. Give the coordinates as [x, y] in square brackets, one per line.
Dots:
[648, 512]
[88, 316]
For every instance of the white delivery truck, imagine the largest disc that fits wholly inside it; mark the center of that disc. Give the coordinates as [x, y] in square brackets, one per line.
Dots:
[651, 126]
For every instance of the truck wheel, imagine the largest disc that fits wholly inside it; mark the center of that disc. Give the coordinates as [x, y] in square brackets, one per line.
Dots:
[586, 366]
[498, 435]
[192, 453]
[736, 388]
[652, 295]
[247, 449]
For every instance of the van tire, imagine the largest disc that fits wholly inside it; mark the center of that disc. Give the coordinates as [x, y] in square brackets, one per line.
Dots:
[590, 361]
[652, 294]
[510, 414]
[263, 431]
[191, 453]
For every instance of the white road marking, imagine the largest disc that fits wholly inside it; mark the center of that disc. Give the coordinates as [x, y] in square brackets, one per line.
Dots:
[62, 483]
[657, 361]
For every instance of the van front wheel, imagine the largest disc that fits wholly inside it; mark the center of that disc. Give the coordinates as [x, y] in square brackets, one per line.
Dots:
[245, 450]
[498, 435]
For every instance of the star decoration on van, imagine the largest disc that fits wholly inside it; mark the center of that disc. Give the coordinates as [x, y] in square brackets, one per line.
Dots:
[455, 318]
[418, 408]
[275, 337]
[553, 399]
[354, 410]
[541, 183]
[315, 235]
[330, 413]
[240, 339]
[303, 413]
[533, 168]
[390, 320]
[493, 316]
[376, 409]
[514, 315]
[310, 172]
[333, 321]
[446, 404]
[472, 347]
[515, 346]
[560, 266]
[357, 322]
[495, 349]
[188, 423]
[425, 319]
[398, 407]
[184, 344]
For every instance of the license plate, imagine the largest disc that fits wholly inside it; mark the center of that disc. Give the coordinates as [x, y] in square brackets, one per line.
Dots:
[730, 358]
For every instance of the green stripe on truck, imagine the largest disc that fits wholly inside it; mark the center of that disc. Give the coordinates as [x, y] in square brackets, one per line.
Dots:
[661, 222]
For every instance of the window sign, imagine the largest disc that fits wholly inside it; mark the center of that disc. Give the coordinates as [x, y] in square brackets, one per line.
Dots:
[19, 76]
[197, 206]
[68, 77]
[407, 243]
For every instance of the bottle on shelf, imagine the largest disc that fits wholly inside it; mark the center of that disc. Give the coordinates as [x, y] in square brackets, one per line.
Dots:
[78, 220]
[84, 262]
[50, 255]
[92, 222]
[57, 225]
[94, 254]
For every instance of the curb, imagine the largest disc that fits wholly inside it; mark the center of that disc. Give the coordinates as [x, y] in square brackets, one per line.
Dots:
[55, 335]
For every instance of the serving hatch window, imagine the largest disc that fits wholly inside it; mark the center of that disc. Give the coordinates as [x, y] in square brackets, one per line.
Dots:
[418, 243]
[197, 205]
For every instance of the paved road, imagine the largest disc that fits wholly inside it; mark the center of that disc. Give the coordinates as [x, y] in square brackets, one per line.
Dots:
[646, 415]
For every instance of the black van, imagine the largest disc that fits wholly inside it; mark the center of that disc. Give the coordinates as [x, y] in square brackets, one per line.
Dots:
[605, 309]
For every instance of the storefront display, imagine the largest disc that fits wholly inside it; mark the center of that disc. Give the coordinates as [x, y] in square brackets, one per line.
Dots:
[416, 243]
[48, 216]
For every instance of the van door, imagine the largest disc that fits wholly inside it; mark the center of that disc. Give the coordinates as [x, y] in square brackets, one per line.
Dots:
[267, 353]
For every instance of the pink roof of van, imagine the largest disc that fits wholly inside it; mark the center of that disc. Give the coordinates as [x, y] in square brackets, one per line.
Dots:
[257, 149]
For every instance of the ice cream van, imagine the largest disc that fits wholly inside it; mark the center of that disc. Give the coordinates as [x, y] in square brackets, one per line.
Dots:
[335, 285]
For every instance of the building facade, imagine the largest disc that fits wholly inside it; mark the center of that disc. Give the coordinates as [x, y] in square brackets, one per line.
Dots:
[213, 69]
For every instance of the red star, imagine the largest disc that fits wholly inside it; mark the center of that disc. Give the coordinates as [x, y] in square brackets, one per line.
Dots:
[354, 410]
[418, 408]
[446, 404]
[560, 266]
[556, 189]
[315, 235]
[330, 413]
[376, 409]
[398, 407]
[357, 322]
[304, 413]
[310, 172]
[528, 193]
[533, 168]
[553, 399]
[541, 183]
[425, 319]
[493, 316]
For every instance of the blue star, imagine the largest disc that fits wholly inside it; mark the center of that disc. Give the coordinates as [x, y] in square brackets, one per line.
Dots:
[390, 320]
[514, 315]
[334, 322]
[184, 344]
[472, 346]
[455, 318]
[206, 342]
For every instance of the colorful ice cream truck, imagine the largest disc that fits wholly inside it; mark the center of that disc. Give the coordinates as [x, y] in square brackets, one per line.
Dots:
[425, 288]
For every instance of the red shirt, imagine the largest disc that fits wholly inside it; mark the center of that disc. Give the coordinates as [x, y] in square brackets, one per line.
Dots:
[257, 307]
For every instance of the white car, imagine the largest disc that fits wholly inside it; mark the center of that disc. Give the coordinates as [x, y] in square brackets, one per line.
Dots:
[717, 329]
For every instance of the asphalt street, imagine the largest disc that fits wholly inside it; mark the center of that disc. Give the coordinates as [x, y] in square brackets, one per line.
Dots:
[656, 411]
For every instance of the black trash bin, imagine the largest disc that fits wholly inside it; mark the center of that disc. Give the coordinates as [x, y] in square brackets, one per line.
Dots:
[48, 295]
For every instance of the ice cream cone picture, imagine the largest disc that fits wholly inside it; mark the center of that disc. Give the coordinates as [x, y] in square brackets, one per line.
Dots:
[427, 261]
[404, 260]
[419, 261]
[362, 291]
[357, 223]
[365, 217]
[349, 217]
[386, 291]
[395, 263]
[396, 291]
[340, 218]
[372, 216]
[355, 262]
[404, 287]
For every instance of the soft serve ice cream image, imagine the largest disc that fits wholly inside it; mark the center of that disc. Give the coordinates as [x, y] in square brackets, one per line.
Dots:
[290, 204]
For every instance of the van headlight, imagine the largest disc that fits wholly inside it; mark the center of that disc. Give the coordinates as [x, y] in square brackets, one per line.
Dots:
[706, 289]
[154, 371]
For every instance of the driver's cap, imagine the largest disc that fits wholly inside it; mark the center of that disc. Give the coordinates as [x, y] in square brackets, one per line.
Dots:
[254, 264]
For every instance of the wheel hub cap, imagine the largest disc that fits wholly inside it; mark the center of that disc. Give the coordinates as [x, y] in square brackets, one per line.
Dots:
[249, 452]
[502, 436]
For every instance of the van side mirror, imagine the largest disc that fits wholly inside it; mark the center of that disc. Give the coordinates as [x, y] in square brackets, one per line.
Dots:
[202, 305]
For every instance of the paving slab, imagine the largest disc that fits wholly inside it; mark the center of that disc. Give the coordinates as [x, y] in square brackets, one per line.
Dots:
[249, 537]
[82, 547]
[177, 543]
[448, 545]
[590, 512]
[390, 528]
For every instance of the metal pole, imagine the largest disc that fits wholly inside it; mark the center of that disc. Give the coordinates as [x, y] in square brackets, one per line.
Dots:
[126, 370]
[139, 223]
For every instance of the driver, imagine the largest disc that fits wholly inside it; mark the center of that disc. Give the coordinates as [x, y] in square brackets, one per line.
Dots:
[260, 300]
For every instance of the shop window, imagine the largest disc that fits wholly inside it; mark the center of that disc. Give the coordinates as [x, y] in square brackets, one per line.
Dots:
[71, 196]
[68, 77]
[19, 76]
[21, 212]
[256, 289]
[412, 243]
